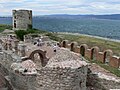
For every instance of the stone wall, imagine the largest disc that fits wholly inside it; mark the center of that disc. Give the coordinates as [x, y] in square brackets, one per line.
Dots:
[4, 82]
[8, 57]
[48, 78]
[14, 79]
[62, 78]
[23, 82]
[113, 61]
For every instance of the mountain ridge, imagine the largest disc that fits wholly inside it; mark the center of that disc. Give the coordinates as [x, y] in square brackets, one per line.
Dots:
[108, 16]
[79, 16]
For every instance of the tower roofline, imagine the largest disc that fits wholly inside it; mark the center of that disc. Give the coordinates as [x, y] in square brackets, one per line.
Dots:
[21, 10]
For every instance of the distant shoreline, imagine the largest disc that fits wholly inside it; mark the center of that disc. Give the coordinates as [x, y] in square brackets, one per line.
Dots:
[78, 34]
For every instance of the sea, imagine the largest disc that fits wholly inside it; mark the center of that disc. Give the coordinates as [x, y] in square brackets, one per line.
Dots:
[105, 28]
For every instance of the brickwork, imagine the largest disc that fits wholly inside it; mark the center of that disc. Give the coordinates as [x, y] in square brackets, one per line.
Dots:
[51, 78]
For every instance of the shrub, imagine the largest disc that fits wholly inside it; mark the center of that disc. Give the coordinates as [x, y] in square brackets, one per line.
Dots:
[20, 34]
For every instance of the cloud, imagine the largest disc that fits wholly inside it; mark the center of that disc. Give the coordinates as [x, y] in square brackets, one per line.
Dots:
[41, 7]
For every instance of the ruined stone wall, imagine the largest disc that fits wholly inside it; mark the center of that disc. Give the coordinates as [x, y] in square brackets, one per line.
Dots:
[23, 82]
[88, 53]
[48, 78]
[100, 57]
[8, 57]
[22, 19]
[114, 61]
[3, 70]
[15, 79]
[51, 78]
[4, 82]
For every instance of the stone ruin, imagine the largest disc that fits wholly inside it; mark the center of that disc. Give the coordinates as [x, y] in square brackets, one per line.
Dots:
[60, 70]
[93, 53]
[39, 63]
[22, 19]
[64, 71]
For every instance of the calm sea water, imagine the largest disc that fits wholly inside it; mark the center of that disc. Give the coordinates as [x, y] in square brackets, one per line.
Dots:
[97, 27]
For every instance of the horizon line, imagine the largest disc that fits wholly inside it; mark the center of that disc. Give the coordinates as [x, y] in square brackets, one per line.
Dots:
[62, 14]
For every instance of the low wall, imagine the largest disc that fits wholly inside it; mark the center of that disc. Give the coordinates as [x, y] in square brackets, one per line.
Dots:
[100, 57]
[114, 62]
[88, 53]
[77, 49]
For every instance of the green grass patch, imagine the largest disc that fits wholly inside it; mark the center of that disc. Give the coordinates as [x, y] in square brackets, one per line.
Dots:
[53, 36]
[3, 27]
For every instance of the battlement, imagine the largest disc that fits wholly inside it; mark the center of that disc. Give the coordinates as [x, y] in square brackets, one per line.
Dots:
[93, 53]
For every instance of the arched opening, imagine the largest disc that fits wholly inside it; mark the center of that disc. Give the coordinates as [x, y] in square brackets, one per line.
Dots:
[107, 57]
[39, 58]
[82, 50]
[64, 44]
[72, 47]
[93, 54]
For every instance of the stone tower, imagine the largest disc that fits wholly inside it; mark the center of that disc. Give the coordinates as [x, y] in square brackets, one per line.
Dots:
[22, 19]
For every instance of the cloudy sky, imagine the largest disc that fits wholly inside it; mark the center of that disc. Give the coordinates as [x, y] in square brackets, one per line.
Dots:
[46, 7]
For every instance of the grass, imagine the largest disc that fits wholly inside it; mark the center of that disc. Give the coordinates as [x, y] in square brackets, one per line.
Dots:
[90, 41]
[109, 68]
[53, 36]
[3, 27]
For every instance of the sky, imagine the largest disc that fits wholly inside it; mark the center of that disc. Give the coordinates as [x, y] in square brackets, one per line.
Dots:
[47, 7]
